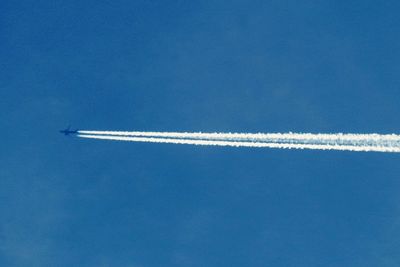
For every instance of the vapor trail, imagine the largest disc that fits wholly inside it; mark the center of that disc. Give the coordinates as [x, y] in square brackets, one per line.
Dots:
[209, 142]
[250, 136]
[390, 141]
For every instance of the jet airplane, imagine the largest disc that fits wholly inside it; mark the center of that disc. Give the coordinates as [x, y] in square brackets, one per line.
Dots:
[68, 131]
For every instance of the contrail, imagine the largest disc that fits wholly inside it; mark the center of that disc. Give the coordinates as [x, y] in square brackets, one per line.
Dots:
[349, 142]
[251, 136]
[376, 140]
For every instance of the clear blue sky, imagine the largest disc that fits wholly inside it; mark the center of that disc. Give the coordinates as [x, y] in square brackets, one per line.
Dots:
[239, 66]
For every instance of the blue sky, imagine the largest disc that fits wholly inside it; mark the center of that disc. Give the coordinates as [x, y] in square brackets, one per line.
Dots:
[238, 66]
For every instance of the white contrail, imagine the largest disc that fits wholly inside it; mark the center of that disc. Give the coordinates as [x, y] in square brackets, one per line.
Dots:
[339, 139]
[250, 136]
[242, 143]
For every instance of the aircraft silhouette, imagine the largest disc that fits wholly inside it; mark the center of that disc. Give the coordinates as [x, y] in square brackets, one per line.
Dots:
[68, 131]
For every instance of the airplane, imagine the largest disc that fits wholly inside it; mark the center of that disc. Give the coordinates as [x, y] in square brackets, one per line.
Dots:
[68, 131]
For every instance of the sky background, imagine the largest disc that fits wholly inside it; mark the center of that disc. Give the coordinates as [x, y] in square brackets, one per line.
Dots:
[211, 66]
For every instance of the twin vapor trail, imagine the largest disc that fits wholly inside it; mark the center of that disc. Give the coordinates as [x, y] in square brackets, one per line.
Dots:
[338, 141]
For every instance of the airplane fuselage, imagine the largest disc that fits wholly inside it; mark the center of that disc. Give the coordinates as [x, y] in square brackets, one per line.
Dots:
[68, 132]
